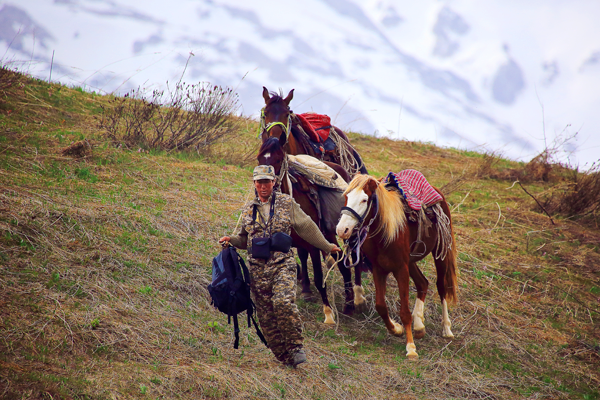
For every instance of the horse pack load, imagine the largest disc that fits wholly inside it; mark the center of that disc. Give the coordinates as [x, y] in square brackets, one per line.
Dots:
[318, 126]
[230, 290]
[316, 171]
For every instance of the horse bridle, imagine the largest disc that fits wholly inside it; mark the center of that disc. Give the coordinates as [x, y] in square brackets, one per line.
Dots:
[355, 242]
[267, 127]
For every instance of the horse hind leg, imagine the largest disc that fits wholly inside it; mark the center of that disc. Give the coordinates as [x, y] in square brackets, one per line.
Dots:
[360, 302]
[321, 286]
[446, 292]
[349, 306]
[306, 292]
[418, 314]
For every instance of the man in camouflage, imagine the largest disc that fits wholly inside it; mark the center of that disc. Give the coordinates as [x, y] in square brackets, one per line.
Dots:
[274, 280]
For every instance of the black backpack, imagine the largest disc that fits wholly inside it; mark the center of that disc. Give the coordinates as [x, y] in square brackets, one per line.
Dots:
[230, 290]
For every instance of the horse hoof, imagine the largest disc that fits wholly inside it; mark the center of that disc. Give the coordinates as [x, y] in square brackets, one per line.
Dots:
[447, 333]
[420, 334]
[360, 307]
[411, 351]
[398, 329]
[348, 309]
[328, 315]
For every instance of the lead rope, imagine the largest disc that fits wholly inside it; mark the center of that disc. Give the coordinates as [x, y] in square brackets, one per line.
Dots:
[362, 234]
[242, 213]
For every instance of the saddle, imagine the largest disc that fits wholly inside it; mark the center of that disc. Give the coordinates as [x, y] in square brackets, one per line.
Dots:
[421, 206]
[414, 188]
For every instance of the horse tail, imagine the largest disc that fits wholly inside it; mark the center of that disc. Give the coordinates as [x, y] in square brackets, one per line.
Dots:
[450, 259]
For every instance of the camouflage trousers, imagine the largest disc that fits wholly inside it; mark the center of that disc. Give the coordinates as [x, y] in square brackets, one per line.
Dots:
[274, 293]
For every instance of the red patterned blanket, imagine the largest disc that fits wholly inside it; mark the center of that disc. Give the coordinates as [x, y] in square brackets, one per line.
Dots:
[414, 187]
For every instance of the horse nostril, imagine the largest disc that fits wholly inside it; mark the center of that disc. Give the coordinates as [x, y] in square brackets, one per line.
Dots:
[346, 231]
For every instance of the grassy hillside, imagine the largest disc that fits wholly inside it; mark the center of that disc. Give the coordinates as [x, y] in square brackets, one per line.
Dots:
[105, 259]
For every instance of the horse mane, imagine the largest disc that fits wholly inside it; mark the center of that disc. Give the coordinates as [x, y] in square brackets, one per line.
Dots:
[391, 209]
[270, 145]
[275, 98]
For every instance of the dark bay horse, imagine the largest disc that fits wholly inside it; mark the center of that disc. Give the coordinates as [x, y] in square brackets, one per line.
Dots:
[388, 248]
[307, 194]
[277, 120]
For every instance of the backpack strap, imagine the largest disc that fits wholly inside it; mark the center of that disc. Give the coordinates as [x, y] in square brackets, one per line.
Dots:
[271, 212]
[250, 311]
[258, 332]
[226, 253]
[236, 331]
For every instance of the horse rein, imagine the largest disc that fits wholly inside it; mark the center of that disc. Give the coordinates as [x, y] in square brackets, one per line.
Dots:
[356, 242]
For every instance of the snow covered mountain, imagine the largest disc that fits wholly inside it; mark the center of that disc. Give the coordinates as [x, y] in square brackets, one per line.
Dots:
[498, 75]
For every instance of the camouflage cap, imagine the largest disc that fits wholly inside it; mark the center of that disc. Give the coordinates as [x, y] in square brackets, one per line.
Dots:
[264, 172]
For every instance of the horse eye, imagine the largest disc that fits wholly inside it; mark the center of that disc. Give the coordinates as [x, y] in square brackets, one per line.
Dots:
[364, 201]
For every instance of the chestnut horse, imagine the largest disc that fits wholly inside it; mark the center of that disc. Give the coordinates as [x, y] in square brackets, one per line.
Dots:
[277, 120]
[331, 202]
[379, 209]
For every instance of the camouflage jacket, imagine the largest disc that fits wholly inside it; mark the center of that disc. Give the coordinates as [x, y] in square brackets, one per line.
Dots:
[287, 216]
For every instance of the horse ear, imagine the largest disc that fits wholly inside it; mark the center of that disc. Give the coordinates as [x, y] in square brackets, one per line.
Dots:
[289, 98]
[266, 95]
[372, 185]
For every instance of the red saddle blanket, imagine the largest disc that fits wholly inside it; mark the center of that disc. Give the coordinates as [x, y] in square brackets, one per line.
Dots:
[316, 125]
[414, 187]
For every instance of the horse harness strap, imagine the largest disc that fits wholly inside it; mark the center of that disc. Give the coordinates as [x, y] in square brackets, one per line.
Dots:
[356, 242]
[354, 214]
[272, 124]
[267, 127]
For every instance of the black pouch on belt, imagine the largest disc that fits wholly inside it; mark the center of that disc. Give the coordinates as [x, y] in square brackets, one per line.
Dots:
[261, 248]
[281, 241]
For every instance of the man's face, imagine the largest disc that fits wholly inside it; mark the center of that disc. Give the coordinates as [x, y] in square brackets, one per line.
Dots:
[264, 187]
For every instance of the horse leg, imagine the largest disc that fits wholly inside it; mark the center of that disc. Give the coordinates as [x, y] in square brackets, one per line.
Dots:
[442, 267]
[360, 302]
[298, 273]
[379, 279]
[303, 256]
[402, 277]
[348, 290]
[422, 284]
[315, 256]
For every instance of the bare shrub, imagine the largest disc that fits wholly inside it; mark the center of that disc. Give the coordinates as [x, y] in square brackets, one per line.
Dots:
[186, 117]
[487, 165]
[547, 166]
[8, 79]
[579, 198]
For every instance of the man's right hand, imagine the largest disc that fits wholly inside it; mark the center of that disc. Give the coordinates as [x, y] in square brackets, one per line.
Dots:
[224, 240]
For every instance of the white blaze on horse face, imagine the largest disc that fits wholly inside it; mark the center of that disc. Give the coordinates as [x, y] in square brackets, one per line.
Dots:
[357, 200]
[267, 155]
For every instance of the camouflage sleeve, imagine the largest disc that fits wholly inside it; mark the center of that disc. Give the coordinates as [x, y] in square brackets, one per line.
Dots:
[308, 230]
[240, 239]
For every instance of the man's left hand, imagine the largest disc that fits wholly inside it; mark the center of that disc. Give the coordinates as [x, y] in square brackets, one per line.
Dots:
[335, 249]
